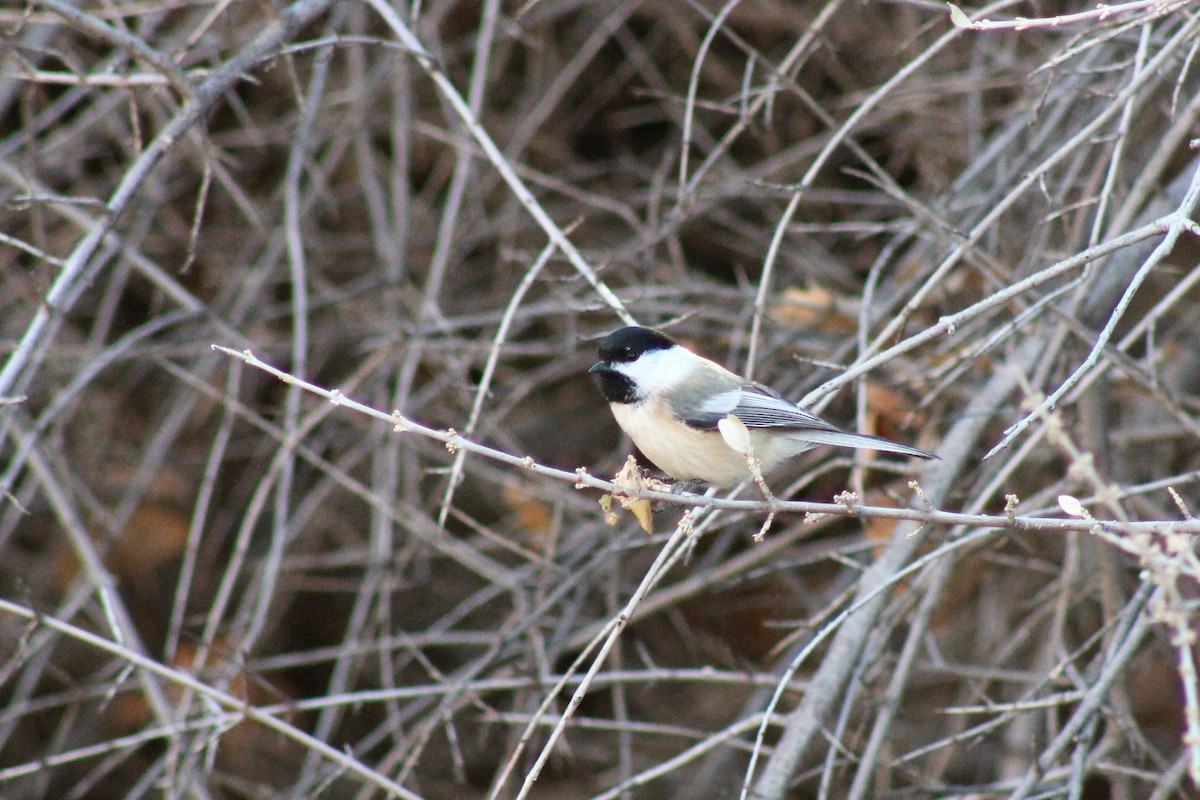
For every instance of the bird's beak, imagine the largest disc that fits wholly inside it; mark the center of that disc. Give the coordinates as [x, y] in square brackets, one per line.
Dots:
[599, 366]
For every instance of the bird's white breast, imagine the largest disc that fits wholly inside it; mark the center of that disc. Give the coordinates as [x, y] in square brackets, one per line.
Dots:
[685, 453]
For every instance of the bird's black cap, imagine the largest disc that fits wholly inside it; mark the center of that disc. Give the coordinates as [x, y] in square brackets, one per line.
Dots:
[628, 344]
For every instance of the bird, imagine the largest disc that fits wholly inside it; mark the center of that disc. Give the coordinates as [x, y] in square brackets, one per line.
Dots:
[698, 422]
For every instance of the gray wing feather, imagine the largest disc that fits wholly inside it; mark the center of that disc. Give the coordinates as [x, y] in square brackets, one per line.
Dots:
[759, 407]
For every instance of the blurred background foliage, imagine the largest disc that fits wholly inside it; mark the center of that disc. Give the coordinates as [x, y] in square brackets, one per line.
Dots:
[825, 180]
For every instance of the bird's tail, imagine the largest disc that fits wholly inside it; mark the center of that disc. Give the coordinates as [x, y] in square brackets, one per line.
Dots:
[843, 439]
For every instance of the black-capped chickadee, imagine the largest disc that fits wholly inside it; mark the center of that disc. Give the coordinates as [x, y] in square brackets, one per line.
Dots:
[673, 404]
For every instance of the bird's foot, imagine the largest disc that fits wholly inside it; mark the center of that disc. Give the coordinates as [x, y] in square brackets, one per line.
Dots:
[681, 487]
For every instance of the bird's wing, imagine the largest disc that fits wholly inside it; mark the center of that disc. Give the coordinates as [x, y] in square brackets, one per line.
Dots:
[757, 407]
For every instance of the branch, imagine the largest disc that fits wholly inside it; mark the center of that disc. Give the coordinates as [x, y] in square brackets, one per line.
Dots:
[582, 479]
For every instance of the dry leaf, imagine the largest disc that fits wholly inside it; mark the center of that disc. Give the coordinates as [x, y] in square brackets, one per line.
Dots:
[802, 308]
[533, 514]
[633, 479]
[156, 535]
[815, 308]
